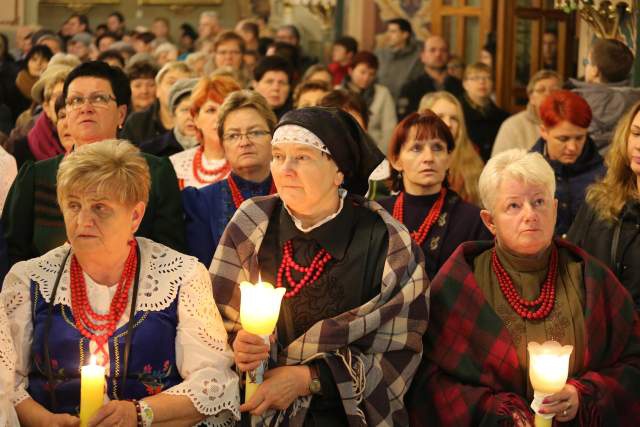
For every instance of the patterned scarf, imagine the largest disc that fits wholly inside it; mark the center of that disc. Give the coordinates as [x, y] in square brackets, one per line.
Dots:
[43, 139]
[471, 374]
[372, 350]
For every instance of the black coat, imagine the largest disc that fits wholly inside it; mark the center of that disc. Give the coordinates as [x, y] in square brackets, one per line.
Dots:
[164, 145]
[596, 236]
[413, 91]
[483, 125]
[142, 126]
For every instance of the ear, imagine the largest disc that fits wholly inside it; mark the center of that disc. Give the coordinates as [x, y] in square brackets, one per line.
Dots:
[487, 219]
[339, 178]
[597, 75]
[395, 163]
[544, 133]
[465, 84]
[136, 215]
[122, 114]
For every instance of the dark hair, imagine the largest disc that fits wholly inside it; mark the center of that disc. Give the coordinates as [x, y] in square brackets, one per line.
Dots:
[346, 100]
[59, 104]
[101, 27]
[147, 37]
[83, 19]
[117, 15]
[613, 59]
[403, 24]
[251, 27]
[188, 30]
[107, 34]
[428, 125]
[288, 51]
[348, 42]
[101, 70]
[272, 63]
[5, 55]
[365, 57]
[293, 30]
[38, 50]
[141, 70]
[112, 54]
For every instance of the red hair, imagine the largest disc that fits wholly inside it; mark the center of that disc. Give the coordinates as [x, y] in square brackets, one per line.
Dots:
[564, 105]
[211, 88]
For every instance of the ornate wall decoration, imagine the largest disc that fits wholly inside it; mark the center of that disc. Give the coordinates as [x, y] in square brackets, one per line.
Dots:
[79, 6]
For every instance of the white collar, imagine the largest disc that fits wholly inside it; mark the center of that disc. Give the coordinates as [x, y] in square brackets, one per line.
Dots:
[342, 193]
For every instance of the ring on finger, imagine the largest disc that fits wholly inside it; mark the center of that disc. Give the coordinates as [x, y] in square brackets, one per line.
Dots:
[564, 413]
[568, 406]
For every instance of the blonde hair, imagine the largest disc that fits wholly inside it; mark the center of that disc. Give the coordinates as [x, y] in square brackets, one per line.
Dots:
[113, 167]
[171, 66]
[466, 164]
[543, 75]
[478, 67]
[245, 99]
[519, 164]
[608, 195]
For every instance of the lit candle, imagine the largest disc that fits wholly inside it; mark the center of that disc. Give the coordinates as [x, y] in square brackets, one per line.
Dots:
[91, 390]
[259, 310]
[548, 371]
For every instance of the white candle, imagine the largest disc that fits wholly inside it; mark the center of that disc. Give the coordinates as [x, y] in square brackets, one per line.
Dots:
[548, 371]
[259, 311]
[91, 390]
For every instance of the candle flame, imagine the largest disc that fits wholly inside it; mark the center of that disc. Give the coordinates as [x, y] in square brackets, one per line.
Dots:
[259, 277]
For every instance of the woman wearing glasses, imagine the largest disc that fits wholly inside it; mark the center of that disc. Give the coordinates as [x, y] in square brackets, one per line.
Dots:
[206, 163]
[97, 96]
[245, 124]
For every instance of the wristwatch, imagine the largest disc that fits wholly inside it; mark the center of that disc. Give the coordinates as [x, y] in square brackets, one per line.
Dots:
[315, 387]
[146, 414]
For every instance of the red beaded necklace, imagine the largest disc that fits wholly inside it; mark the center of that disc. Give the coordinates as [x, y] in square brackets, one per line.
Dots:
[199, 169]
[312, 272]
[83, 313]
[525, 308]
[236, 195]
[421, 233]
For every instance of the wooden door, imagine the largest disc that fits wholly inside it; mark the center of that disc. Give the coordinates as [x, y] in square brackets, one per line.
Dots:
[525, 38]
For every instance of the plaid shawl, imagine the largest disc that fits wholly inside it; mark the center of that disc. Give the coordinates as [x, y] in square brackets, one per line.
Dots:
[372, 351]
[471, 374]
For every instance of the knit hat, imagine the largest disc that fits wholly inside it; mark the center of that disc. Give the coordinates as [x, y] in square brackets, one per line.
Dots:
[179, 89]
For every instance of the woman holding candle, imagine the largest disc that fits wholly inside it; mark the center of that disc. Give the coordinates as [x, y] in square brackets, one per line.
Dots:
[491, 299]
[206, 163]
[245, 124]
[142, 309]
[348, 335]
[420, 153]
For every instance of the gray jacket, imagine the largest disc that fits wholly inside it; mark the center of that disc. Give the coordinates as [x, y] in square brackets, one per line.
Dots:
[399, 66]
[608, 102]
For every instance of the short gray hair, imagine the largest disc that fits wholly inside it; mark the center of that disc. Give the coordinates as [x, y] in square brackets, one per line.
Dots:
[518, 164]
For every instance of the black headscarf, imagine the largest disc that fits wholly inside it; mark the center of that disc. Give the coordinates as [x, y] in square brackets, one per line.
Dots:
[352, 149]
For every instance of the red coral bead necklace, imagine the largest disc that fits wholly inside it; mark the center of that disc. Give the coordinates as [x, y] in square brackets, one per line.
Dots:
[530, 310]
[311, 272]
[237, 196]
[420, 234]
[199, 169]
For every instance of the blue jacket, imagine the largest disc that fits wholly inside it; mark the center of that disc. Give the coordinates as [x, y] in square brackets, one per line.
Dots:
[209, 209]
[572, 180]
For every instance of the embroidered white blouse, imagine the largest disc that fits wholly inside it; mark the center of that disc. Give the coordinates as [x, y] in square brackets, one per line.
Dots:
[183, 164]
[203, 356]
[8, 172]
[8, 416]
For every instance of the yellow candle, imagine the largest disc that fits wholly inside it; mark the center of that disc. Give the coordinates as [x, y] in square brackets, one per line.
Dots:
[259, 310]
[91, 390]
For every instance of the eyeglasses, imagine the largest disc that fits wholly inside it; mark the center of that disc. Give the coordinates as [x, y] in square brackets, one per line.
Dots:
[252, 135]
[479, 78]
[97, 100]
[228, 52]
[585, 62]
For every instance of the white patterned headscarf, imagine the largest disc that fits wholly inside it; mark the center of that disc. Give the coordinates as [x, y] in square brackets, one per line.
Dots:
[299, 135]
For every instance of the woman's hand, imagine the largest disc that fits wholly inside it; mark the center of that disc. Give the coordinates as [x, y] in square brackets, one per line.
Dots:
[120, 413]
[63, 420]
[563, 404]
[280, 388]
[249, 350]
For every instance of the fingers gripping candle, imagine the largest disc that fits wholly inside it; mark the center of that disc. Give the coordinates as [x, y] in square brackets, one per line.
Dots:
[91, 390]
[259, 310]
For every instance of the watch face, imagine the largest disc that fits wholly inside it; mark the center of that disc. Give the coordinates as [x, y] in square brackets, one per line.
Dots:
[315, 387]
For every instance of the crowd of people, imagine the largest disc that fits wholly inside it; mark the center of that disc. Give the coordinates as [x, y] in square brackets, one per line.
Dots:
[423, 235]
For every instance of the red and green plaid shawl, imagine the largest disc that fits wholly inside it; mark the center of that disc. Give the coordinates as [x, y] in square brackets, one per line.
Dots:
[372, 351]
[470, 374]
